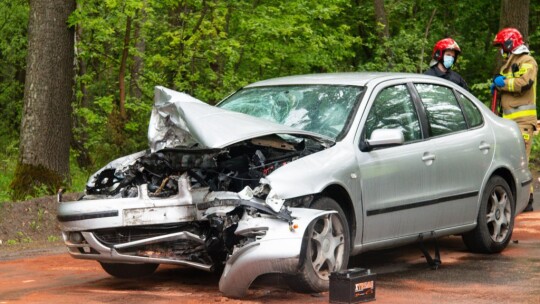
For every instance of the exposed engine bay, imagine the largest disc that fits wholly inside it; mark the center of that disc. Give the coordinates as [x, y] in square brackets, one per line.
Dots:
[229, 169]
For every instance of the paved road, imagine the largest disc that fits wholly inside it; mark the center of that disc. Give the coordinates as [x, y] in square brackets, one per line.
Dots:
[402, 277]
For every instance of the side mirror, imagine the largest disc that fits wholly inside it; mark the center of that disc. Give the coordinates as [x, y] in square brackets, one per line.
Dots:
[383, 138]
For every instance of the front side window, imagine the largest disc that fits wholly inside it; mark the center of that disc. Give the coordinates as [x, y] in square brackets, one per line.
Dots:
[393, 108]
[323, 109]
[442, 109]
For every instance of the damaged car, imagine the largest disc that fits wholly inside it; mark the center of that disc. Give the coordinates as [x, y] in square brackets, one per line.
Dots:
[293, 175]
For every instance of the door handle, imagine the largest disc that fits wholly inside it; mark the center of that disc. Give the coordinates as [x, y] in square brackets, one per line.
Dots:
[484, 146]
[428, 158]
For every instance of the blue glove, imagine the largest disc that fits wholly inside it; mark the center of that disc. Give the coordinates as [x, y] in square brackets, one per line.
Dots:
[492, 88]
[499, 81]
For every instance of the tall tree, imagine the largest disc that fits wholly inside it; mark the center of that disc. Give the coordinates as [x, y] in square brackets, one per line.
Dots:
[515, 13]
[123, 68]
[138, 60]
[383, 28]
[46, 122]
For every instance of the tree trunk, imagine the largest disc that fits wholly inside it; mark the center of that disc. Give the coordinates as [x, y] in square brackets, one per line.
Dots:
[123, 66]
[515, 13]
[46, 119]
[118, 117]
[380, 17]
[382, 28]
[80, 135]
[138, 63]
[426, 33]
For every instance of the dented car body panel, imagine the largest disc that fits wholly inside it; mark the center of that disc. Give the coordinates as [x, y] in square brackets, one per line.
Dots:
[261, 257]
[179, 120]
[293, 174]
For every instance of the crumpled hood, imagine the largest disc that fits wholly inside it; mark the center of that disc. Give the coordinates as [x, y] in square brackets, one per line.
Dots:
[180, 120]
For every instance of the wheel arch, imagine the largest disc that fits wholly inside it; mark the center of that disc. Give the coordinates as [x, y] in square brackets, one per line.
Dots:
[509, 178]
[492, 232]
[342, 197]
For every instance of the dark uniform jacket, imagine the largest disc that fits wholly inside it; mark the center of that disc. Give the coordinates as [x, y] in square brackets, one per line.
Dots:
[448, 75]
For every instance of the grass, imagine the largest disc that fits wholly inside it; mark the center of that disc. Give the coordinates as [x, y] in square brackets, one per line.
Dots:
[8, 161]
[7, 166]
[52, 239]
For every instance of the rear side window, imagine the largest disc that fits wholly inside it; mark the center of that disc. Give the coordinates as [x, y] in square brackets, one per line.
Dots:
[393, 108]
[442, 109]
[473, 115]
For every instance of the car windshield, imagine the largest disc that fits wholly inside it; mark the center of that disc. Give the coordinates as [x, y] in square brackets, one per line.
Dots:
[323, 109]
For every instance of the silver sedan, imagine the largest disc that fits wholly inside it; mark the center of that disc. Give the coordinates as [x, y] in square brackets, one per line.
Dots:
[293, 175]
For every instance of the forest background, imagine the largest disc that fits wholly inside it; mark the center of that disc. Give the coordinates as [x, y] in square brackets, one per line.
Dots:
[111, 54]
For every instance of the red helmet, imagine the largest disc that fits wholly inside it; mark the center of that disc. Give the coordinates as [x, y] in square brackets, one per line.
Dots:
[443, 45]
[509, 39]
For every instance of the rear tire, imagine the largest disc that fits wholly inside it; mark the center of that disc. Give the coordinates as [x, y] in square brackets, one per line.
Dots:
[495, 221]
[327, 248]
[129, 271]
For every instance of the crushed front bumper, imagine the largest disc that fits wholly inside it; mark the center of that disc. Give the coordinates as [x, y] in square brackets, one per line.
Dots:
[270, 243]
[278, 251]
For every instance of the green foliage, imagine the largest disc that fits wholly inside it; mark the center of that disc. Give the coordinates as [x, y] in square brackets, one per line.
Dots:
[535, 148]
[209, 49]
[33, 181]
[79, 176]
[13, 20]
[36, 223]
[21, 238]
[53, 238]
[483, 91]
[8, 161]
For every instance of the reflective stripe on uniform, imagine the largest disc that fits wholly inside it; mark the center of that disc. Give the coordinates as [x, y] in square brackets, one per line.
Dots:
[521, 111]
[520, 114]
[523, 69]
[520, 108]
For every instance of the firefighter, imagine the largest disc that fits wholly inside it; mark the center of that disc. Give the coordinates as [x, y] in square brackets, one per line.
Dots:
[516, 84]
[445, 54]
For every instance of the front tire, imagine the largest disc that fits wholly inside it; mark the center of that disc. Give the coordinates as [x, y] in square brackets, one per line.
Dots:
[327, 248]
[129, 271]
[495, 221]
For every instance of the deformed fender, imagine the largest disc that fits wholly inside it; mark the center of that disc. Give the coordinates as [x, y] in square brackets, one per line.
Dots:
[278, 251]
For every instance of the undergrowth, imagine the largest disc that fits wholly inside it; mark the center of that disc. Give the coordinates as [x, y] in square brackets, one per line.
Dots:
[8, 162]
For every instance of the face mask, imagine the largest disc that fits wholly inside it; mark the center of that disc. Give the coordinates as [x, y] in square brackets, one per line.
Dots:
[448, 61]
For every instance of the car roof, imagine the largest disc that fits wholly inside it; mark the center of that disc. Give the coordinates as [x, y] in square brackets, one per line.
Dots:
[351, 78]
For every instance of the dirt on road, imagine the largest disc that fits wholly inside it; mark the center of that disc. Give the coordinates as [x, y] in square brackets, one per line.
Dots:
[49, 275]
[36, 268]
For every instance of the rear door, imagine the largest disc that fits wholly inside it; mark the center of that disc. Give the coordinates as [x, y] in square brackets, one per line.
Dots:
[463, 149]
